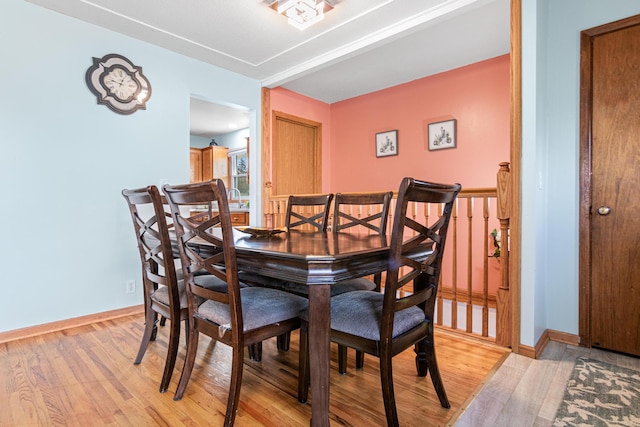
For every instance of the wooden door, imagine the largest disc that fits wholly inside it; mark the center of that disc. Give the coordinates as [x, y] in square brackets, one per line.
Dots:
[610, 181]
[296, 155]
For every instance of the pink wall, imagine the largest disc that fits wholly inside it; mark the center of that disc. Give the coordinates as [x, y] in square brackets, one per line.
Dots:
[477, 96]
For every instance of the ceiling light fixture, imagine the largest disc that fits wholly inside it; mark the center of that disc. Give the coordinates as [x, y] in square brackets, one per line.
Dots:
[302, 13]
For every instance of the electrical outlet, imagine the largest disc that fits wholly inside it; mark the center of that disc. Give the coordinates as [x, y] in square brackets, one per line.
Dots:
[131, 286]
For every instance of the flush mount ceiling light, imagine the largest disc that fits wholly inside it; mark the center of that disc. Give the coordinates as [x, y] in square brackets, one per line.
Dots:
[302, 13]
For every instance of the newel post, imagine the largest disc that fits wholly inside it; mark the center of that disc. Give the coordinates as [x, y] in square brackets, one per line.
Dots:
[503, 303]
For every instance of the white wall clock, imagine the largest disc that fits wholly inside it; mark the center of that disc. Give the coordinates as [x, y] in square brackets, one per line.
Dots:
[118, 84]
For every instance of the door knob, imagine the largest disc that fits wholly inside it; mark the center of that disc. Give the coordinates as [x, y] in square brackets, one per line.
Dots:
[604, 210]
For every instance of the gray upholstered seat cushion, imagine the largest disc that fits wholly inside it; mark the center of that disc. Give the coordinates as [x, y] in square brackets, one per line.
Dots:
[180, 273]
[359, 284]
[161, 294]
[211, 282]
[260, 307]
[359, 312]
[208, 281]
[253, 279]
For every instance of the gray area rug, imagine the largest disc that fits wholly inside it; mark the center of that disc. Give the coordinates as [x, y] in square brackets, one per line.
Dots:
[600, 394]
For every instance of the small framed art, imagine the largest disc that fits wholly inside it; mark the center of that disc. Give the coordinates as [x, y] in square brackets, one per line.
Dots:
[387, 143]
[442, 135]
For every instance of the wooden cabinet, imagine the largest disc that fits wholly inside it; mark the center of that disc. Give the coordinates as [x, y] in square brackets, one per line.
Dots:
[195, 163]
[209, 163]
[215, 164]
[240, 218]
[237, 218]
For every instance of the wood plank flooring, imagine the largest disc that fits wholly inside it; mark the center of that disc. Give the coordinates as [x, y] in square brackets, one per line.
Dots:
[527, 392]
[85, 376]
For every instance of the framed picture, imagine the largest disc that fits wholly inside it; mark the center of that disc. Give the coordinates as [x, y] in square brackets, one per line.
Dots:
[442, 135]
[387, 143]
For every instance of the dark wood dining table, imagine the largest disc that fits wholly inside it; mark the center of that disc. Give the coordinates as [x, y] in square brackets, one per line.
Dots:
[318, 259]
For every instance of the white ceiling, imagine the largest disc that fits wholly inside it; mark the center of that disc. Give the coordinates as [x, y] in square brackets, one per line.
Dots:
[209, 120]
[361, 46]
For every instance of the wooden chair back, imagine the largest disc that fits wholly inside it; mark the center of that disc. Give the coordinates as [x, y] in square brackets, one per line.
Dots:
[384, 325]
[308, 212]
[214, 312]
[221, 262]
[367, 211]
[416, 251]
[151, 222]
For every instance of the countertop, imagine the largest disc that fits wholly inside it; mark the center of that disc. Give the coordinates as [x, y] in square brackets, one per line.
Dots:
[233, 207]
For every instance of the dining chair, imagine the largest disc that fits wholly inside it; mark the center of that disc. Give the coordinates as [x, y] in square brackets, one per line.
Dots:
[305, 213]
[385, 324]
[308, 212]
[362, 212]
[163, 288]
[367, 213]
[239, 317]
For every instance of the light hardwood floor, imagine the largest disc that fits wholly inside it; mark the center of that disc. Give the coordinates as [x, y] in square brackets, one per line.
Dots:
[85, 376]
[527, 392]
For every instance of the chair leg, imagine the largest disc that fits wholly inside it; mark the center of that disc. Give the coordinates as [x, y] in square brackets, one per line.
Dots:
[377, 279]
[304, 373]
[234, 386]
[172, 353]
[422, 360]
[189, 361]
[426, 358]
[283, 341]
[154, 331]
[186, 332]
[149, 334]
[342, 359]
[255, 352]
[388, 395]
[163, 320]
[359, 360]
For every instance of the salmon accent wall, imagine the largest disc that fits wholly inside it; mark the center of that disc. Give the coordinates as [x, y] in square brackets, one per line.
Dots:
[477, 96]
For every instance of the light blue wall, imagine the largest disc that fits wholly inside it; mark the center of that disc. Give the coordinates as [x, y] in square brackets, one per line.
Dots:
[234, 140]
[199, 141]
[550, 157]
[67, 242]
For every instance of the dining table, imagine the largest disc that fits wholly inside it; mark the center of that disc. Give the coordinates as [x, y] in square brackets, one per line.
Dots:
[319, 260]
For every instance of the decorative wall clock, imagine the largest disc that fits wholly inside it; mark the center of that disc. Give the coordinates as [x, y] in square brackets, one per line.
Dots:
[118, 84]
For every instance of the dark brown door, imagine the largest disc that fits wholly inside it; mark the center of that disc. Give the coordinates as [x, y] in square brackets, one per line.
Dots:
[296, 155]
[612, 209]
